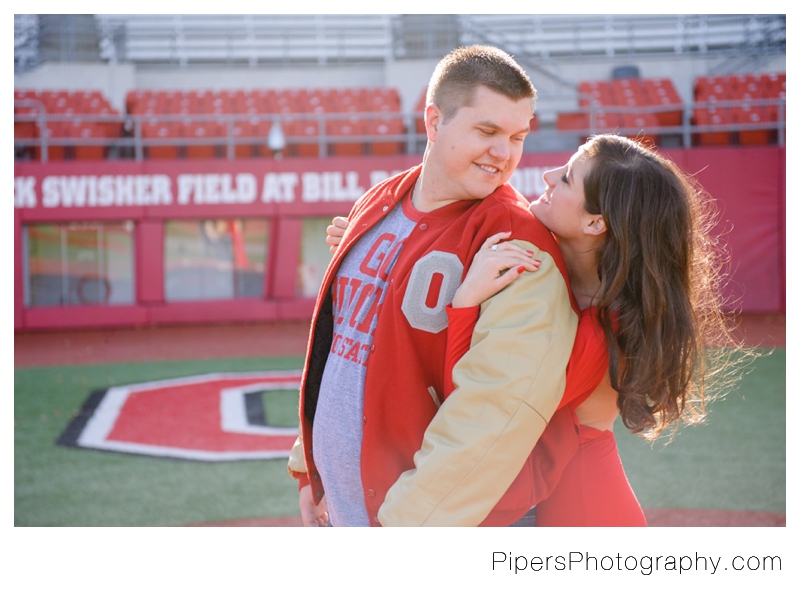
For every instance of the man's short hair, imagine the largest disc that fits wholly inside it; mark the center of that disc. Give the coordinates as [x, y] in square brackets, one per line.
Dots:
[463, 70]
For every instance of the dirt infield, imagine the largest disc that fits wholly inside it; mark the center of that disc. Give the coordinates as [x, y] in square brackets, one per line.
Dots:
[35, 349]
[32, 349]
[160, 343]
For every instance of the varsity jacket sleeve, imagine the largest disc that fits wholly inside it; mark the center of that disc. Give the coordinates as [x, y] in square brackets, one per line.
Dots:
[507, 385]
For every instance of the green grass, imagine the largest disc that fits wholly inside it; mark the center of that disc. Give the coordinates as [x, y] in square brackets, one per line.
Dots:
[56, 485]
[735, 461]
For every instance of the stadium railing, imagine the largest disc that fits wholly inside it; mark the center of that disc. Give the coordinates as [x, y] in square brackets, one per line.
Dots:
[741, 109]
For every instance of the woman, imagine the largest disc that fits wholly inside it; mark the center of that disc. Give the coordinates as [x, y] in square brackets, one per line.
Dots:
[634, 235]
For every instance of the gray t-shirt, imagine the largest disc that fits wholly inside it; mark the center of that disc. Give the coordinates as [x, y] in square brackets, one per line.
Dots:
[358, 292]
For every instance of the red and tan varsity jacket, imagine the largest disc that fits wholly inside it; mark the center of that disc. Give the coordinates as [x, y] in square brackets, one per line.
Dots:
[426, 460]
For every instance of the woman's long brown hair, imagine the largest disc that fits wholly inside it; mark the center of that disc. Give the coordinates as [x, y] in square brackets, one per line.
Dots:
[660, 272]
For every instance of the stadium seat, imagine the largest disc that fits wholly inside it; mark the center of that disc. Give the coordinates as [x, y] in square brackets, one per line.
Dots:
[746, 86]
[161, 131]
[382, 99]
[319, 101]
[713, 88]
[195, 130]
[25, 129]
[217, 103]
[53, 130]
[302, 137]
[752, 115]
[186, 104]
[661, 92]
[241, 130]
[595, 92]
[710, 117]
[572, 121]
[86, 131]
[295, 100]
[628, 92]
[419, 110]
[607, 122]
[640, 126]
[55, 101]
[345, 127]
[383, 126]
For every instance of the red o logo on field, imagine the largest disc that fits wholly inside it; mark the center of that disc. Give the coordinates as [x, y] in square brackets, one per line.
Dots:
[213, 417]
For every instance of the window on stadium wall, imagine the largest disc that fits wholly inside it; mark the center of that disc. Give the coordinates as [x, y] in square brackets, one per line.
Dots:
[78, 263]
[314, 257]
[214, 259]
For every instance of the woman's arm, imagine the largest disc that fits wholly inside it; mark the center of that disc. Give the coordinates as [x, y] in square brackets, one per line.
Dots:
[490, 272]
[335, 232]
[495, 266]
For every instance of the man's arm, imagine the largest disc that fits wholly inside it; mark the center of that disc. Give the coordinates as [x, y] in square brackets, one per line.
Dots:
[507, 387]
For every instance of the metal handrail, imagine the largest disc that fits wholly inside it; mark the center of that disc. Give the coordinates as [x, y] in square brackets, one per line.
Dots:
[136, 142]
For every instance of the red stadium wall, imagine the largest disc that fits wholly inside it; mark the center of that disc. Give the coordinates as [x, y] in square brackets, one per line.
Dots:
[749, 184]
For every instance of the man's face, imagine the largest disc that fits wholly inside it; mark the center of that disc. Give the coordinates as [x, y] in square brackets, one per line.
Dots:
[477, 149]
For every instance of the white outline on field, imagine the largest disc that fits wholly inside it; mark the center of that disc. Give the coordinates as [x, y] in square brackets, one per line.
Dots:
[232, 405]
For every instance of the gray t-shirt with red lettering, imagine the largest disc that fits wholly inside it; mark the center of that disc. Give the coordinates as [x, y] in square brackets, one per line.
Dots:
[358, 292]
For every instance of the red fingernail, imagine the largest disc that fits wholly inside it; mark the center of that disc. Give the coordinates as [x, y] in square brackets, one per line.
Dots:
[520, 269]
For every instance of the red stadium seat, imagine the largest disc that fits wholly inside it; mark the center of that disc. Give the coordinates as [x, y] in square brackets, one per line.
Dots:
[25, 129]
[595, 92]
[712, 117]
[162, 131]
[86, 131]
[572, 121]
[53, 130]
[382, 99]
[661, 92]
[713, 88]
[640, 127]
[350, 101]
[346, 127]
[607, 122]
[419, 108]
[306, 137]
[217, 103]
[244, 129]
[318, 101]
[752, 115]
[383, 127]
[194, 130]
[55, 101]
[629, 92]
[264, 100]
[186, 104]
[293, 101]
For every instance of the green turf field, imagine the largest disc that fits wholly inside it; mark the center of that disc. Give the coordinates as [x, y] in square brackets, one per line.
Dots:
[736, 461]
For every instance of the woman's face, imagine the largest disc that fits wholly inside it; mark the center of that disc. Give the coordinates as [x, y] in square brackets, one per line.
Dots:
[561, 207]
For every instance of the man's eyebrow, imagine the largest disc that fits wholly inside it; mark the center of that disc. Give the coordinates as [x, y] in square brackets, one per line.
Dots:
[487, 123]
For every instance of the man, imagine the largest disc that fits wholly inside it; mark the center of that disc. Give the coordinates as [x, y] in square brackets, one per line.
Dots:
[379, 444]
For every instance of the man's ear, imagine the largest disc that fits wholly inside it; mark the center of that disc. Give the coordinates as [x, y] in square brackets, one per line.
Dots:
[595, 225]
[433, 118]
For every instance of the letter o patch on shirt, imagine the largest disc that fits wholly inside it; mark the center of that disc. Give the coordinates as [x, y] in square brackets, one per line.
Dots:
[431, 287]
